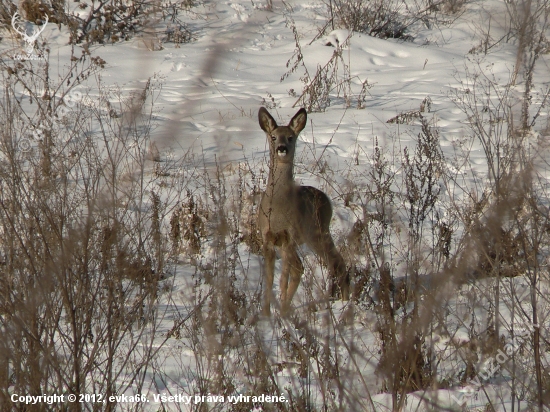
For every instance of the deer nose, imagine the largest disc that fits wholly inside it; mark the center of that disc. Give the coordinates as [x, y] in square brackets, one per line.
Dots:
[282, 150]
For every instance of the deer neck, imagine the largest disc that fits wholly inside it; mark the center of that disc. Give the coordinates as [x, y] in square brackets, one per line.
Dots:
[281, 178]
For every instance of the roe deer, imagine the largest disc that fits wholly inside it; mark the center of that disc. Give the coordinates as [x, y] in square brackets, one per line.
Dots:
[291, 215]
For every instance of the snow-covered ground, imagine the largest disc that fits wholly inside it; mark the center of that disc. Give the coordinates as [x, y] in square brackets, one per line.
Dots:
[207, 105]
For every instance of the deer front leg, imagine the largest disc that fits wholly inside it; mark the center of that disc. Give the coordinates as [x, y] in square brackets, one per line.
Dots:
[283, 284]
[269, 269]
[293, 266]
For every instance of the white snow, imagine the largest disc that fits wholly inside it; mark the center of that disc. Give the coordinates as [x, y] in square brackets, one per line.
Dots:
[211, 91]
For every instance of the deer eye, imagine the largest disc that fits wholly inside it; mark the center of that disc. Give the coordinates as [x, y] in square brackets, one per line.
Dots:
[273, 138]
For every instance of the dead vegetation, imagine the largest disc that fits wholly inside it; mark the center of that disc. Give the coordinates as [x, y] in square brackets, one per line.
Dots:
[93, 229]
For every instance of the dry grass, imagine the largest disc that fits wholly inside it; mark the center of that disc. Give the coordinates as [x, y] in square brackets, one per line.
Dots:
[95, 222]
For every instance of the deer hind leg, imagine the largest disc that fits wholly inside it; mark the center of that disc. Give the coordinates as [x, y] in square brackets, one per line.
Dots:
[269, 268]
[339, 276]
[292, 265]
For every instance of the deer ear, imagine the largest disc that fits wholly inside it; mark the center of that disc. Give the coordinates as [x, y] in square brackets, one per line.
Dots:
[298, 122]
[267, 123]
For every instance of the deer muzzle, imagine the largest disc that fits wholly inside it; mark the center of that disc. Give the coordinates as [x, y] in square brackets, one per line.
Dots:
[282, 151]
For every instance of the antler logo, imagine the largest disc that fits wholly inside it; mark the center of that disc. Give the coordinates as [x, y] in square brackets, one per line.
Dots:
[23, 32]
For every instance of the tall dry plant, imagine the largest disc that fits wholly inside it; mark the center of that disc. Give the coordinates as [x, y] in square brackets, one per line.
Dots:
[82, 250]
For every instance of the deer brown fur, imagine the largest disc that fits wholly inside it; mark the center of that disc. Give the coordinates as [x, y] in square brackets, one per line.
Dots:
[291, 215]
